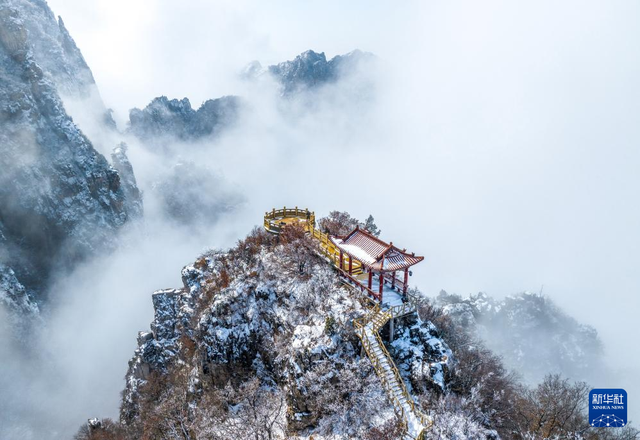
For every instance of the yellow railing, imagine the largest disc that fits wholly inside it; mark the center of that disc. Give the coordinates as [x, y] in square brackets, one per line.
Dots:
[405, 308]
[274, 221]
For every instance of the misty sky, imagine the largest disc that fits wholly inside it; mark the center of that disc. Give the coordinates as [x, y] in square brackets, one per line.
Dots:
[506, 148]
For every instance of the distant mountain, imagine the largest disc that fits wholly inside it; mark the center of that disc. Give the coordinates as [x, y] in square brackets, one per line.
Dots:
[165, 120]
[60, 200]
[532, 334]
[176, 119]
[310, 69]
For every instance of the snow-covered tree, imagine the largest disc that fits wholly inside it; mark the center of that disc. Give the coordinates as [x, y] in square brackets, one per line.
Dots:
[370, 226]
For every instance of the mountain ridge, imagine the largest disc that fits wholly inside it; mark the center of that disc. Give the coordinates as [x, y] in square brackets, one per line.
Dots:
[60, 200]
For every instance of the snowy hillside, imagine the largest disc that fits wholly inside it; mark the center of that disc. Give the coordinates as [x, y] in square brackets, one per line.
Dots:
[533, 335]
[249, 316]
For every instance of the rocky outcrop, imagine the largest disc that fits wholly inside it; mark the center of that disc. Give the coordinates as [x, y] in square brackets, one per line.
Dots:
[20, 309]
[165, 120]
[60, 200]
[132, 194]
[176, 119]
[29, 25]
[310, 70]
[55, 51]
[422, 355]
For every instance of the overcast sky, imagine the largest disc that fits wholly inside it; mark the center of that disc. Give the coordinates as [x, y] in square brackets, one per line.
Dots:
[510, 153]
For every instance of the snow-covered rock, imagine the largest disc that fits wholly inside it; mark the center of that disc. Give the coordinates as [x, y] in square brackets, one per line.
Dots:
[310, 69]
[21, 310]
[164, 120]
[60, 200]
[132, 195]
[176, 119]
[423, 357]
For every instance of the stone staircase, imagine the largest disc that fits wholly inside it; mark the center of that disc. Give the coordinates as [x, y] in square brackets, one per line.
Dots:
[367, 329]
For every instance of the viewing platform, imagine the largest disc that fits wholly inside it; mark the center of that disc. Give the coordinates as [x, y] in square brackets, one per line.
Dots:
[363, 259]
[276, 219]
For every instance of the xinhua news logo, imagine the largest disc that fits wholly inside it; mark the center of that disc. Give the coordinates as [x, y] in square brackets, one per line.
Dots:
[608, 407]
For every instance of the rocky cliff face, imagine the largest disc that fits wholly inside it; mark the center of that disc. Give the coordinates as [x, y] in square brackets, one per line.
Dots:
[60, 200]
[54, 50]
[29, 25]
[132, 194]
[14, 297]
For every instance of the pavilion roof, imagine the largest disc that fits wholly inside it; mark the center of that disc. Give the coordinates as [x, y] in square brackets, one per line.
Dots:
[373, 252]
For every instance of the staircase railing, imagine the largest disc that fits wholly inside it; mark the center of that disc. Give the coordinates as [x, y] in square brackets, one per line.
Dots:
[378, 318]
[380, 372]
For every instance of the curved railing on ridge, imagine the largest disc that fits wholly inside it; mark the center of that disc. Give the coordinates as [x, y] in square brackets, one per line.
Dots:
[271, 218]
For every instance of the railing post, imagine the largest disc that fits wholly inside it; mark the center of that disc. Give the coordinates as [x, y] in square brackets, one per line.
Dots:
[406, 280]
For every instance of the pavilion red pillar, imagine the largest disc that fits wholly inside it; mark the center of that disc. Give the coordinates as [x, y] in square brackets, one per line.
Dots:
[370, 278]
[406, 280]
[381, 284]
[341, 256]
[393, 280]
[350, 265]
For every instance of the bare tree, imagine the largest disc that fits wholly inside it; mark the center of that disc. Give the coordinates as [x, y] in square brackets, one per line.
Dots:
[259, 415]
[391, 430]
[338, 223]
[299, 247]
